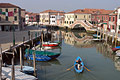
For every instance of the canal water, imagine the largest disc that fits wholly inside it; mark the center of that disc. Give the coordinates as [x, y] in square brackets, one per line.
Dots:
[97, 57]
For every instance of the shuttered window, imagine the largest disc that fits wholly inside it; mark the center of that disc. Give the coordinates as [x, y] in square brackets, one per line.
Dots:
[15, 18]
[6, 18]
[0, 10]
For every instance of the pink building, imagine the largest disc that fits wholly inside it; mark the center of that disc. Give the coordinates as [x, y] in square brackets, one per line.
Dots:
[113, 21]
[31, 18]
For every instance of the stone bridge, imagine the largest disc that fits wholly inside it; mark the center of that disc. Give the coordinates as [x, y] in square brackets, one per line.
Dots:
[81, 23]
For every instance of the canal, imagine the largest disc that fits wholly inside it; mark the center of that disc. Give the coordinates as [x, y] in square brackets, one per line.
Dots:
[97, 56]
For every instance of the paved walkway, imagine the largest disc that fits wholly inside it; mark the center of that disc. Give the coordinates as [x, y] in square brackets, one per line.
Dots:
[6, 38]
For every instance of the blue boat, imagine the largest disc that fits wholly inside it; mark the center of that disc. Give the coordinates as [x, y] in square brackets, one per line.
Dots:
[117, 47]
[38, 57]
[82, 65]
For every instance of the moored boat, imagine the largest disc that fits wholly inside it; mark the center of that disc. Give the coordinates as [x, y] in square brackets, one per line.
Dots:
[76, 67]
[40, 58]
[116, 48]
[42, 53]
[50, 44]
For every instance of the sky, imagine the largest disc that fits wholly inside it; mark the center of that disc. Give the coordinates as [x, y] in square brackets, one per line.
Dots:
[63, 5]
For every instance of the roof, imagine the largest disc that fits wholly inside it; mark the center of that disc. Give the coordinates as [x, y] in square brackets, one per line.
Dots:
[81, 11]
[22, 9]
[48, 11]
[31, 13]
[8, 5]
[61, 14]
[91, 11]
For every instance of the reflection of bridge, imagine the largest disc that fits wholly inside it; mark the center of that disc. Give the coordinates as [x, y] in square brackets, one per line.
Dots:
[75, 38]
[81, 23]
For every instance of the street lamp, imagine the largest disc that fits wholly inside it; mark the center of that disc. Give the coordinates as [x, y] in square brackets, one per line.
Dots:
[13, 35]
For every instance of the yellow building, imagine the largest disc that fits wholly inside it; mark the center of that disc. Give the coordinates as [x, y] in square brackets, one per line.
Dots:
[80, 14]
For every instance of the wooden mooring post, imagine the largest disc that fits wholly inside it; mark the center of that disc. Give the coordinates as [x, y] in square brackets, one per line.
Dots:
[21, 62]
[13, 70]
[97, 33]
[34, 63]
[0, 62]
[32, 39]
[100, 33]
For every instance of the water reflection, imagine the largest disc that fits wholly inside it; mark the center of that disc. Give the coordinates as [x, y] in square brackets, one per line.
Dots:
[78, 39]
[99, 51]
[117, 63]
[105, 50]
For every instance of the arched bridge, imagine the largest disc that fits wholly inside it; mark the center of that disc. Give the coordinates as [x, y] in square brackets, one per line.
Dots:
[81, 23]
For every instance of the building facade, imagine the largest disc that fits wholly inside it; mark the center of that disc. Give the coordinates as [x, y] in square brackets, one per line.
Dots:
[118, 20]
[48, 17]
[57, 19]
[80, 14]
[31, 18]
[113, 21]
[10, 17]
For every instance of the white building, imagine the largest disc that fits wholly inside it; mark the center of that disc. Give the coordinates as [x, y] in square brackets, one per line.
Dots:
[49, 17]
[118, 20]
[57, 19]
[26, 19]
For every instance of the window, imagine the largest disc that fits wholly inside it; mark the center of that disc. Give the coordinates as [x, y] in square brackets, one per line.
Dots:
[15, 10]
[119, 16]
[6, 10]
[113, 18]
[53, 21]
[6, 18]
[0, 10]
[65, 22]
[113, 27]
[109, 18]
[102, 17]
[84, 16]
[89, 16]
[72, 22]
[106, 18]
[15, 18]
[75, 16]
[97, 17]
[119, 27]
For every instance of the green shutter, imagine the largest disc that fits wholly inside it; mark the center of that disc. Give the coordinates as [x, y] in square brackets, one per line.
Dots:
[3, 13]
[15, 18]
[0, 10]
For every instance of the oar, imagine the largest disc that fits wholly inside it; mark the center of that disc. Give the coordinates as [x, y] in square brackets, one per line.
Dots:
[70, 68]
[86, 68]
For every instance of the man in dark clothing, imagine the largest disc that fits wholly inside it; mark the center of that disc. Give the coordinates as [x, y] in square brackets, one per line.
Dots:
[78, 64]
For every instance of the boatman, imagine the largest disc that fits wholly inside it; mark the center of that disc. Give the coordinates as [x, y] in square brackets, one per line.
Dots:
[78, 64]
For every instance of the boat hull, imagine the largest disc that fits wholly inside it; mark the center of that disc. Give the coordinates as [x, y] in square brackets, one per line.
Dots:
[52, 55]
[115, 49]
[52, 45]
[39, 58]
[82, 67]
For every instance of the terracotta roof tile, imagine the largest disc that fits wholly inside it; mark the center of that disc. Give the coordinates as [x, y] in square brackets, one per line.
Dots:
[91, 11]
[8, 5]
[48, 11]
[61, 14]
